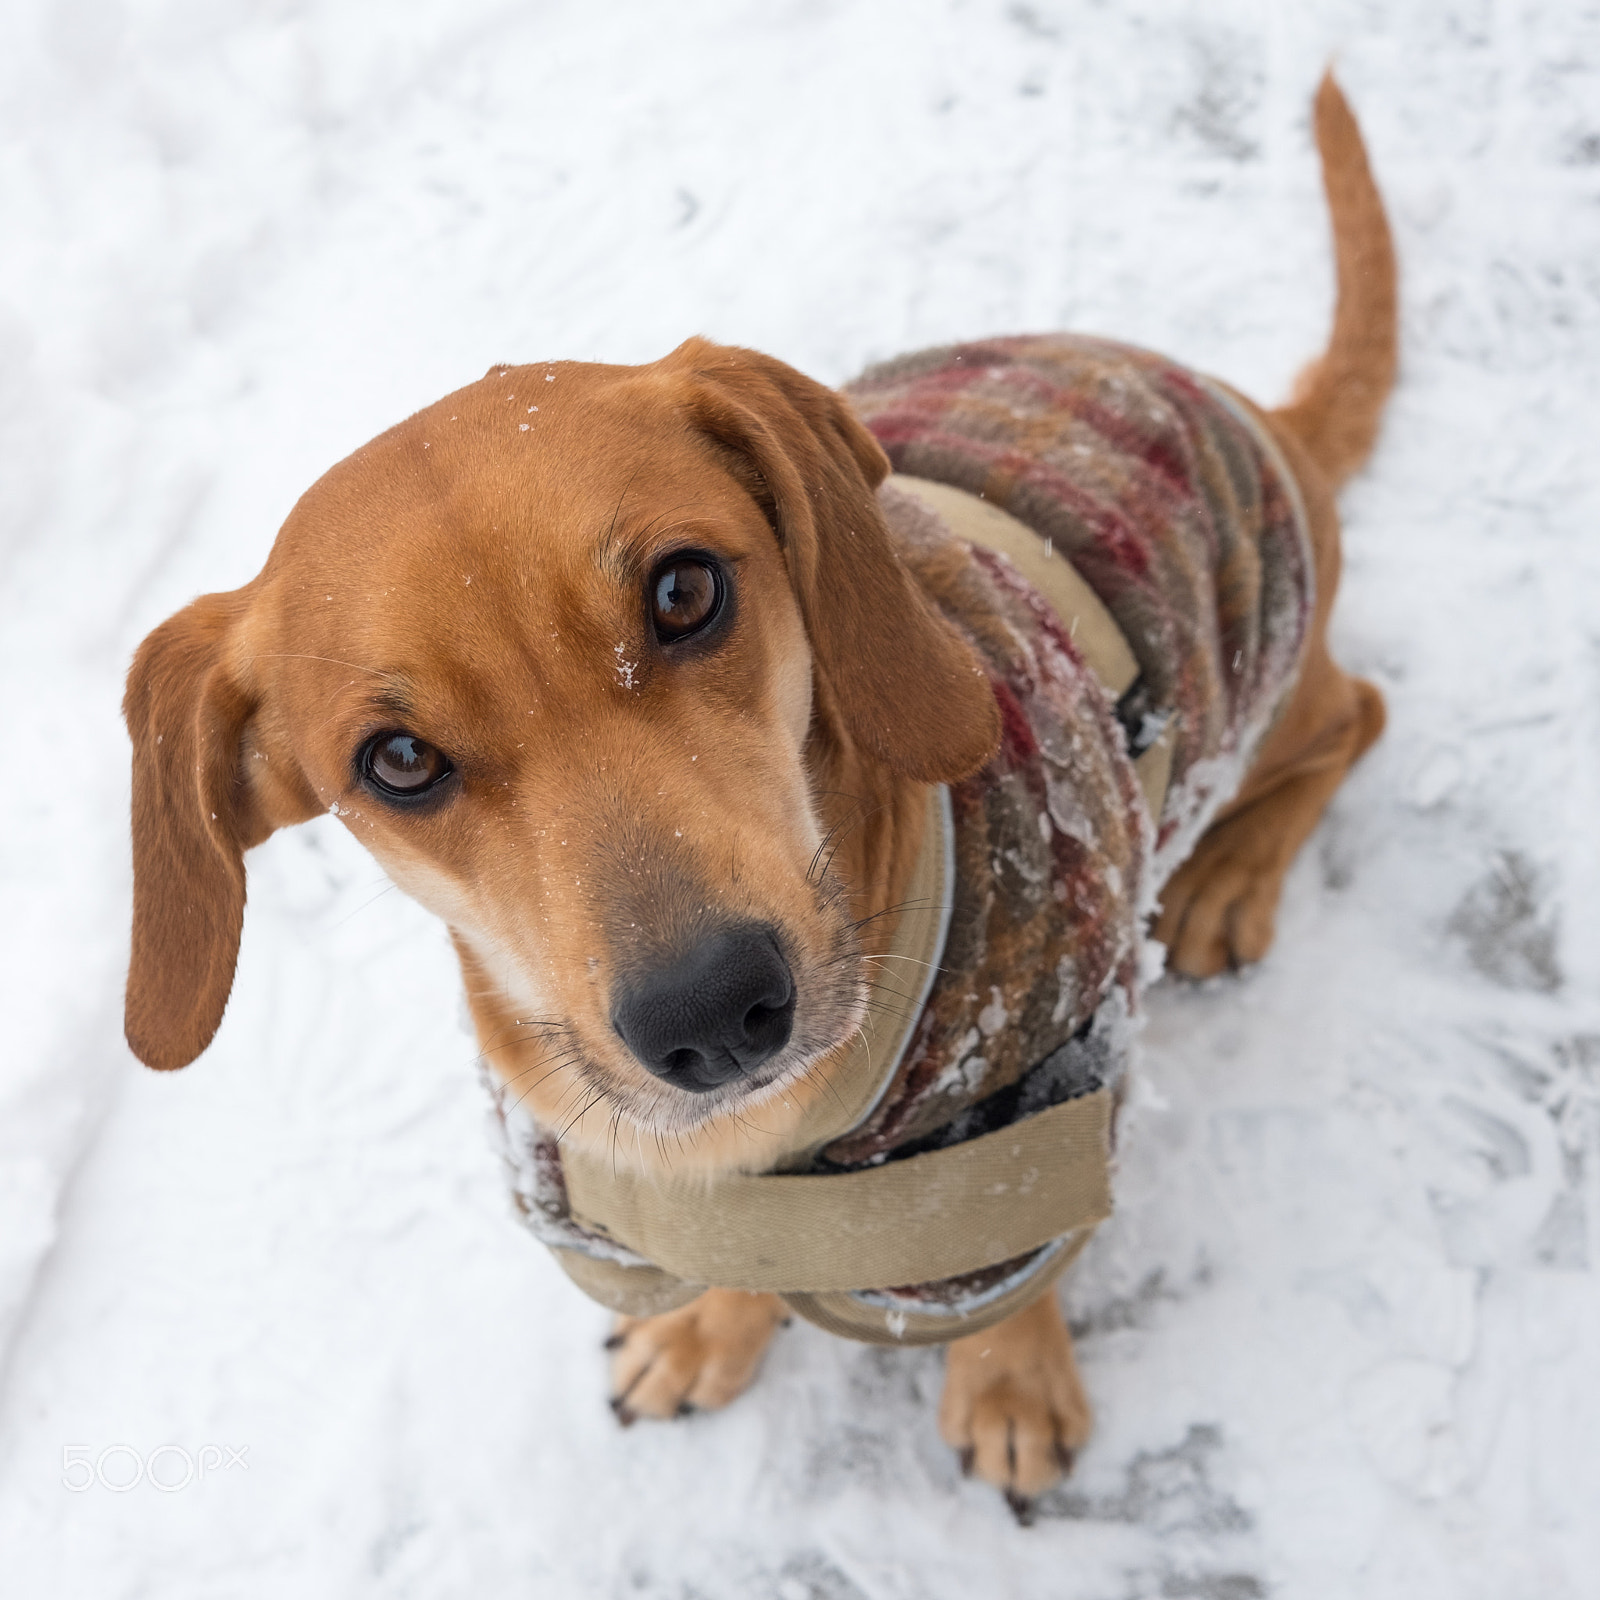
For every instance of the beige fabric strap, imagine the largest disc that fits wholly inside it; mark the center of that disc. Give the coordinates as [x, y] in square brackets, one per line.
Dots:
[1089, 624]
[635, 1291]
[873, 1320]
[913, 1221]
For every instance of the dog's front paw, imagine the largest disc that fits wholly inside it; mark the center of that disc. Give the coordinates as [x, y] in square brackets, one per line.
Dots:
[696, 1358]
[1014, 1406]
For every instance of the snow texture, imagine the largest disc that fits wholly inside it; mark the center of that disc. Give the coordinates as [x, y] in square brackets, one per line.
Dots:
[1341, 1333]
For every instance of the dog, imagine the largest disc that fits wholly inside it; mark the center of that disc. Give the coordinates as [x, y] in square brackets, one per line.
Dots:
[639, 679]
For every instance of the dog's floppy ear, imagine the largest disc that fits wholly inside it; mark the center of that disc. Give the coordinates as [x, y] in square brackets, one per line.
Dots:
[906, 684]
[194, 815]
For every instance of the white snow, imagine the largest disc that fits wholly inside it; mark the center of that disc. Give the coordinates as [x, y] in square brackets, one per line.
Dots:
[1341, 1334]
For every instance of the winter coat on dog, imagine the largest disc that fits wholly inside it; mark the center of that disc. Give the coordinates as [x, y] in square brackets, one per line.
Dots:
[978, 1137]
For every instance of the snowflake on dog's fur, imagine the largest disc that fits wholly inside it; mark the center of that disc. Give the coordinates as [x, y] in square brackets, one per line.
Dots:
[625, 669]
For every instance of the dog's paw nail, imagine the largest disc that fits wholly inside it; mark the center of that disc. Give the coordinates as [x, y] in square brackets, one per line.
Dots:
[1064, 1457]
[966, 1459]
[786, 1322]
[1021, 1508]
[615, 1341]
[623, 1414]
[685, 1409]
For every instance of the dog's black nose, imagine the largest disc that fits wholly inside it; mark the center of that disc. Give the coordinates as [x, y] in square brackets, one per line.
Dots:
[712, 1014]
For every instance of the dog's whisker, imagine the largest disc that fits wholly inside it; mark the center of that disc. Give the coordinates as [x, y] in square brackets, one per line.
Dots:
[501, 1044]
[857, 818]
[604, 552]
[560, 1066]
[552, 1066]
[823, 845]
[916, 961]
[363, 906]
[895, 910]
[895, 1012]
[298, 655]
[541, 1037]
[597, 1095]
[616, 1123]
[568, 1045]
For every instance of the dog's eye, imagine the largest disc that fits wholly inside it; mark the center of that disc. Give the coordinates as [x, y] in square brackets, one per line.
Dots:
[685, 594]
[402, 765]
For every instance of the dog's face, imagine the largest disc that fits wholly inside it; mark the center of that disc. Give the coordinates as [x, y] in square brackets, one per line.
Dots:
[562, 651]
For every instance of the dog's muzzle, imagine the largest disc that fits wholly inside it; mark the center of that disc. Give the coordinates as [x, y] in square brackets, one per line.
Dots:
[713, 1014]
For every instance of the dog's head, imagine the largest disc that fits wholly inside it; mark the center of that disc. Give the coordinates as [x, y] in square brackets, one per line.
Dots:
[566, 652]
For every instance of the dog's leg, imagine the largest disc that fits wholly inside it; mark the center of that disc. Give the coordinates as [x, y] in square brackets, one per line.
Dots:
[1220, 907]
[1014, 1405]
[696, 1358]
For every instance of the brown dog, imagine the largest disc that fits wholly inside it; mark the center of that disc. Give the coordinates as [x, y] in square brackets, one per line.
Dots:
[611, 666]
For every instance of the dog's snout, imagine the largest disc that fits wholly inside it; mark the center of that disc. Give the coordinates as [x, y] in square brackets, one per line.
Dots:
[711, 1014]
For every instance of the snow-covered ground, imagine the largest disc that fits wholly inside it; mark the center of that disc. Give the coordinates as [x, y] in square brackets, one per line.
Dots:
[1343, 1333]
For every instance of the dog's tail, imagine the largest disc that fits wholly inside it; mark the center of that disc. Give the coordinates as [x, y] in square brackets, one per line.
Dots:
[1339, 397]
